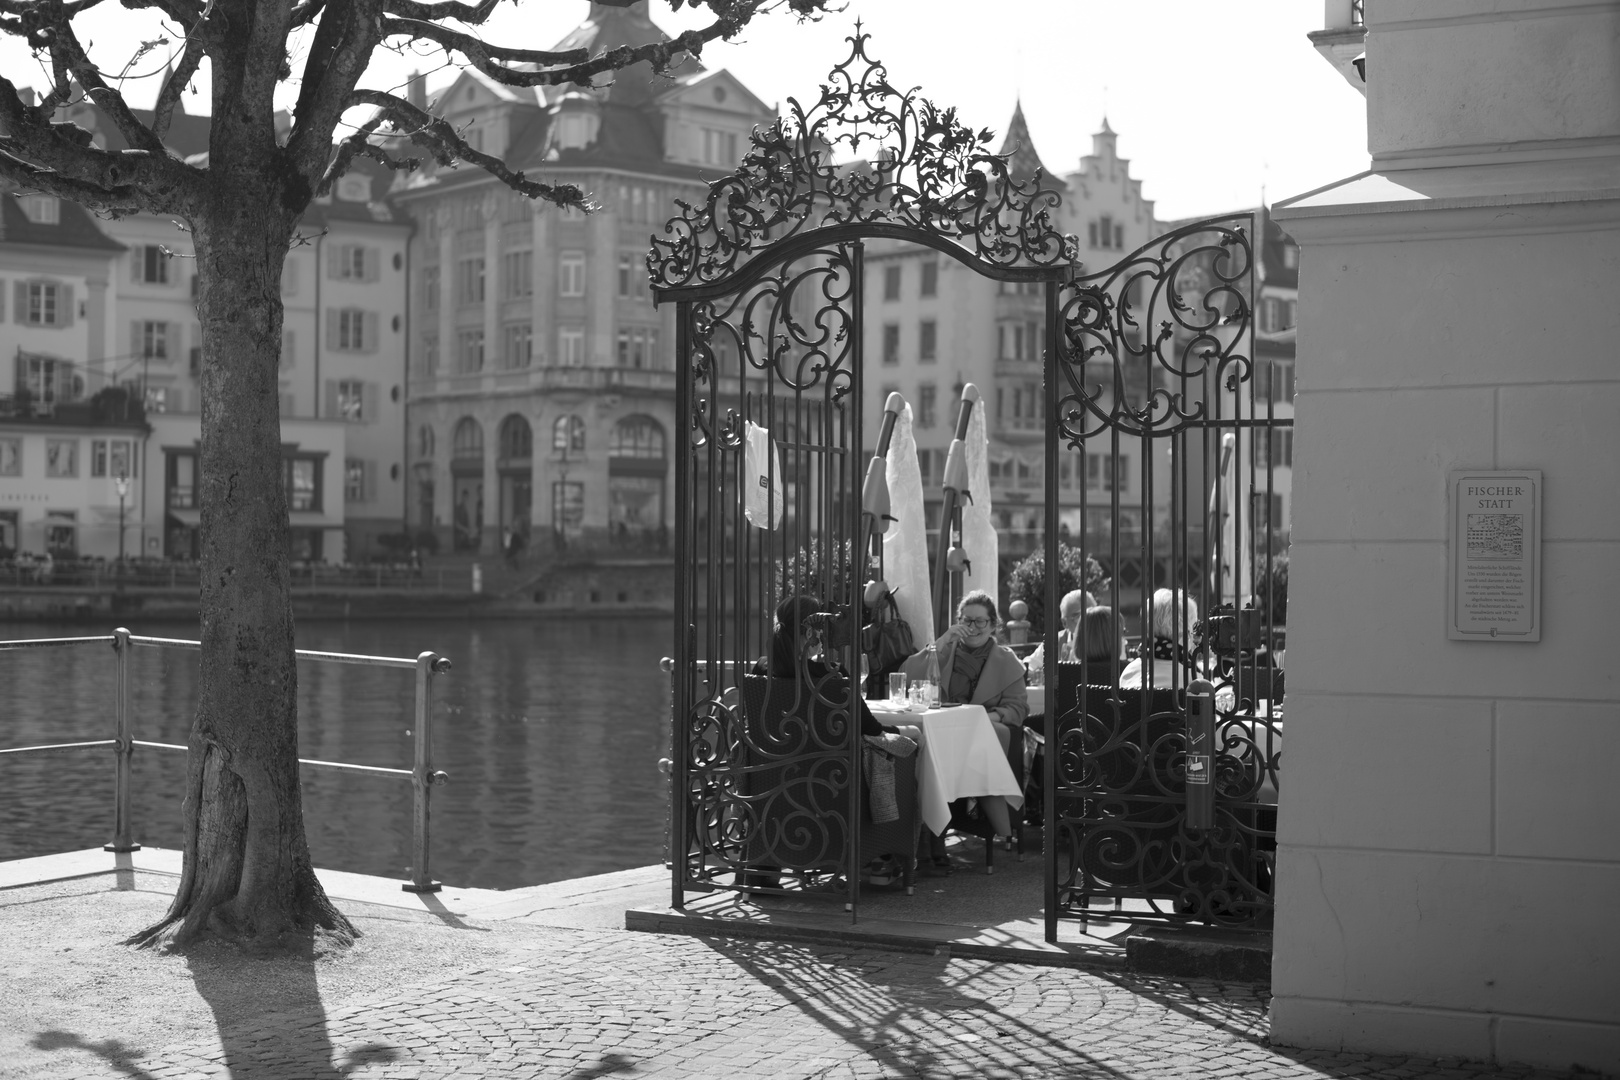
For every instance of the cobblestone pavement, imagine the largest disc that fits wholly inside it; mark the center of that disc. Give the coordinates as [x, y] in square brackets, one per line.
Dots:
[592, 1004]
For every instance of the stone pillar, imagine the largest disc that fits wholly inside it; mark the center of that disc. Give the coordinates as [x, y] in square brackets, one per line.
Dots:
[1448, 844]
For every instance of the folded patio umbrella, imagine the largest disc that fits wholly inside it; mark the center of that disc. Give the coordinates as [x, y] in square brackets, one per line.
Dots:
[979, 538]
[905, 545]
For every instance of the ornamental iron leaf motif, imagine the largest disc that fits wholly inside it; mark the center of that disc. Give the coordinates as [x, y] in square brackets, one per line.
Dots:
[928, 173]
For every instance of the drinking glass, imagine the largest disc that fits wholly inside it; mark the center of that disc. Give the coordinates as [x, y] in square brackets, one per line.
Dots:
[897, 687]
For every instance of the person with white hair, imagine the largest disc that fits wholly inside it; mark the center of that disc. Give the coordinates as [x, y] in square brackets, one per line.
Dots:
[1171, 617]
[1074, 604]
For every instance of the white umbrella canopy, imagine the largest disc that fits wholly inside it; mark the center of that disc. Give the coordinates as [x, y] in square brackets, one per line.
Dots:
[979, 538]
[905, 545]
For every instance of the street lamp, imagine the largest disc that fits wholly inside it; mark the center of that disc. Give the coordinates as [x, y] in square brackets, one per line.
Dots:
[122, 484]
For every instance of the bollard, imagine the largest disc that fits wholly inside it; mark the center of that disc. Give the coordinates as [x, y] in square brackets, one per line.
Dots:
[1200, 754]
[1017, 623]
[477, 578]
[124, 749]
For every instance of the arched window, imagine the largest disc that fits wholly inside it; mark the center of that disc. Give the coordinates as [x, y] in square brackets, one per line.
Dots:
[516, 438]
[469, 439]
[568, 435]
[637, 437]
[424, 442]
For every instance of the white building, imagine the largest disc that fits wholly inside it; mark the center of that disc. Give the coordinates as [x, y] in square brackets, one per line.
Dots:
[66, 432]
[1448, 850]
[542, 383]
[343, 349]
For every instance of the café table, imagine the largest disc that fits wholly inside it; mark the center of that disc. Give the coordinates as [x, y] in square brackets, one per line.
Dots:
[959, 758]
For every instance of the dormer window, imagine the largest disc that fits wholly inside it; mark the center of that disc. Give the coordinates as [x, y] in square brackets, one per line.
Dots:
[354, 189]
[41, 209]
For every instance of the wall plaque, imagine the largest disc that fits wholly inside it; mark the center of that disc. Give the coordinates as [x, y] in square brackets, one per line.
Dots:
[1493, 589]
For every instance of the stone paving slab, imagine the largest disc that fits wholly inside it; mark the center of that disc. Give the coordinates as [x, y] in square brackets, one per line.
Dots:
[595, 1003]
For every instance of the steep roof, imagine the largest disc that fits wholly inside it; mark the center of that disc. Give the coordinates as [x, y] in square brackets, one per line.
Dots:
[1021, 146]
[75, 228]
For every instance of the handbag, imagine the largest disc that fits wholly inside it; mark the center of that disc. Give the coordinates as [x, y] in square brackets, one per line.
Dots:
[886, 639]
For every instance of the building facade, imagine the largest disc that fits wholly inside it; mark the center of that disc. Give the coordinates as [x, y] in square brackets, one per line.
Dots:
[342, 358]
[542, 385]
[1446, 792]
[68, 431]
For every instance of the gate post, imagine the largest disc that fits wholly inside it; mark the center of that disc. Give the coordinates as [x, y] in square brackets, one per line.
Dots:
[1200, 754]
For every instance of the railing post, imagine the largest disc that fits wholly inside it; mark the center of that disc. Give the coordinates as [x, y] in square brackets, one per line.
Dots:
[666, 765]
[423, 777]
[123, 750]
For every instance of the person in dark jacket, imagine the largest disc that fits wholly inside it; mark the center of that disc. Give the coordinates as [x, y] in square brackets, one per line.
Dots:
[797, 651]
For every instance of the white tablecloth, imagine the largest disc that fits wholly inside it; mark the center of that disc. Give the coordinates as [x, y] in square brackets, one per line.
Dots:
[960, 757]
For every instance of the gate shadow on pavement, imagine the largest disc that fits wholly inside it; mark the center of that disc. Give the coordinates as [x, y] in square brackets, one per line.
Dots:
[911, 1013]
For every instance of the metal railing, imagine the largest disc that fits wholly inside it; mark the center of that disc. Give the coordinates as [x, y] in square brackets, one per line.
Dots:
[422, 774]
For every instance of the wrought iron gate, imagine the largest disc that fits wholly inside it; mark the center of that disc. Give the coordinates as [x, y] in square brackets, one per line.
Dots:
[1154, 376]
[1148, 375]
[768, 276]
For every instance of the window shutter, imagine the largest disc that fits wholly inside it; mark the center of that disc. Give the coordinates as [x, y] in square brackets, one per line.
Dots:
[136, 255]
[331, 399]
[196, 337]
[331, 328]
[289, 277]
[176, 401]
[368, 490]
[289, 351]
[369, 402]
[373, 263]
[334, 260]
[371, 332]
[2, 301]
[22, 301]
[65, 311]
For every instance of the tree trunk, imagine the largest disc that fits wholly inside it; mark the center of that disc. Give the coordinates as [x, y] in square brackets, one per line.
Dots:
[247, 874]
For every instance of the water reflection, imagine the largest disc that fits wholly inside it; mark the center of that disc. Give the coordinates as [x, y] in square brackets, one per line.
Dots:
[550, 731]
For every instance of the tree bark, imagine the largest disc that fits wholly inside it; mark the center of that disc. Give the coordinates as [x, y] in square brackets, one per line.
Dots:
[247, 873]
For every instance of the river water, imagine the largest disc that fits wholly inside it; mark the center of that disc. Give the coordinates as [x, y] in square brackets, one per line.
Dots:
[550, 730]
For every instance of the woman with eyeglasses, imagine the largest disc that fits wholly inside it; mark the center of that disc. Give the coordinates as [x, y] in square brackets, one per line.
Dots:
[975, 670]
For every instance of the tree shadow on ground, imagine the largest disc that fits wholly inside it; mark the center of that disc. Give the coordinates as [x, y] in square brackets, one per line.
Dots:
[268, 1012]
[112, 1051]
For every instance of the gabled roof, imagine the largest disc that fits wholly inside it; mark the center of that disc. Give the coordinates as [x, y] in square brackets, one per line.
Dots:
[76, 227]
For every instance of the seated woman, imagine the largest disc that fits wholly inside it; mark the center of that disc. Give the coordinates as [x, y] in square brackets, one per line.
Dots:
[1101, 652]
[1171, 615]
[975, 670]
[797, 652]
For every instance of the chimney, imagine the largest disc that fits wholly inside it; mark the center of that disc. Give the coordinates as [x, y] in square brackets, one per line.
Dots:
[416, 90]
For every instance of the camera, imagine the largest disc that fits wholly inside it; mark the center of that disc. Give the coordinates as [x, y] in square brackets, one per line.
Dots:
[833, 626]
[1229, 632]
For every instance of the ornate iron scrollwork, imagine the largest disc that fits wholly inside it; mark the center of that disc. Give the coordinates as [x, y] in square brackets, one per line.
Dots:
[931, 174]
[1134, 344]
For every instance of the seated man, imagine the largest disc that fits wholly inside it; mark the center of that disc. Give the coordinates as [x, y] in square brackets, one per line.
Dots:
[1071, 608]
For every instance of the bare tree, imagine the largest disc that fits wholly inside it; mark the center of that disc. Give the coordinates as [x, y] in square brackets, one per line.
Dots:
[247, 872]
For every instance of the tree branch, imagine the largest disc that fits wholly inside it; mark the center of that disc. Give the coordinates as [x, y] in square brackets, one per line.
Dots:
[580, 67]
[169, 96]
[440, 139]
[66, 51]
[447, 9]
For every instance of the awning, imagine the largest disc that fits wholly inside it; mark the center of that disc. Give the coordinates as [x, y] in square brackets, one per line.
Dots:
[189, 518]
